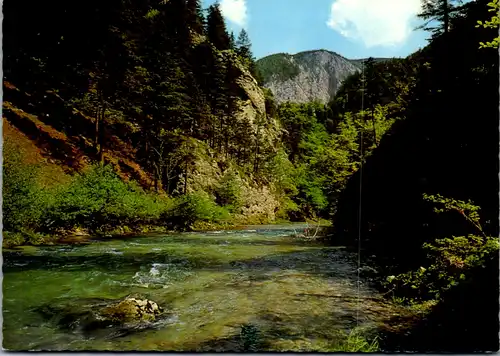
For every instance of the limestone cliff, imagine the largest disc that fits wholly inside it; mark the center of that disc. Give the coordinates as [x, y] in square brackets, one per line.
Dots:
[306, 76]
[209, 167]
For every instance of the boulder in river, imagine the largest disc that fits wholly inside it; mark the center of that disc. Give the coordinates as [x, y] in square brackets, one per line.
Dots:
[132, 309]
[95, 316]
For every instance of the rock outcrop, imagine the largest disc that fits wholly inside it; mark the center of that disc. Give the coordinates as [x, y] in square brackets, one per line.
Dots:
[312, 75]
[307, 76]
[132, 310]
[209, 167]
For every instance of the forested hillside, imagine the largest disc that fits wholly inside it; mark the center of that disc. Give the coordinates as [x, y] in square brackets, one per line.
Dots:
[159, 92]
[160, 95]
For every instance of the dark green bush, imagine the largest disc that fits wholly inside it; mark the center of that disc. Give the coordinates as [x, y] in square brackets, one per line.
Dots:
[99, 198]
[194, 207]
[228, 193]
[24, 202]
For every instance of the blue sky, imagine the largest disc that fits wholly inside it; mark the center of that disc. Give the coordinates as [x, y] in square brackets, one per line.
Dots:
[352, 28]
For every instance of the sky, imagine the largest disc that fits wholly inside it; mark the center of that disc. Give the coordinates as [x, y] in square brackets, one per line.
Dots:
[352, 28]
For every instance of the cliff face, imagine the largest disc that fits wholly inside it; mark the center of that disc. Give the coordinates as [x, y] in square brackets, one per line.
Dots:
[251, 105]
[306, 76]
[209, 167]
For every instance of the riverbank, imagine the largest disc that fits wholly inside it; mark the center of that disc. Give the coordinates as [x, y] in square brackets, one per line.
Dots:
[76, 235]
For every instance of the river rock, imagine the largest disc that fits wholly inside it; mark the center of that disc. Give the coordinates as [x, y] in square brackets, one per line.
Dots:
[132, 309]
[96, 315]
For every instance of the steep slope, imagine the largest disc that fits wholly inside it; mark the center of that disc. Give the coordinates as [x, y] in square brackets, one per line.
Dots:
[306, 76]
[53, 134]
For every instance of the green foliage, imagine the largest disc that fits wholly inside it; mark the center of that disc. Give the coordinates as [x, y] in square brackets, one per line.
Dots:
[384, 83]
[494, 22]
[100, 198]
[451, 259]
[12, 239]
[190, 208]
[467, 209]
[325, 150]
[277, 65]
[281, 173]
[356, 342]
[195, 18]
[229, 192]
[24, 201]
[243, 45]
[97, 199]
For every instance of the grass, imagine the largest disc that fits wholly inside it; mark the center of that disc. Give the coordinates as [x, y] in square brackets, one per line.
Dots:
[357, 342]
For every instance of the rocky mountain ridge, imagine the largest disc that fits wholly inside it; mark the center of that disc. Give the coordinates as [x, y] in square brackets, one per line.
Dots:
[306, 76]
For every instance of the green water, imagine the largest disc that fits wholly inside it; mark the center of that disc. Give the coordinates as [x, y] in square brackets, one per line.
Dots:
[258, 288]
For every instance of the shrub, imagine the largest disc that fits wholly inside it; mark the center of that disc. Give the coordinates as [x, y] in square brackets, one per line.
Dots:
[451, 259]
[97, 200]
[100, 198]
[228, 193]
[23, 201]
[194, 207]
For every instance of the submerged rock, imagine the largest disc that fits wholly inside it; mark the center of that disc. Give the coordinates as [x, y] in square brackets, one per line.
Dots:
[103, 317]
[132, 309]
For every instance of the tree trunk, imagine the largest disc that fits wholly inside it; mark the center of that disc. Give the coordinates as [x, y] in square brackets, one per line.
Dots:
[166, 180]
[100, 132]
[185, 177]
[256, 163]
[446, 16]
[156, 178]
[96, 138]
[374, 129]
[221, 133]
[101, 139]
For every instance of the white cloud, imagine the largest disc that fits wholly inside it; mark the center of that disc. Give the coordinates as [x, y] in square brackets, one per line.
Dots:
[235, 11]
[375, 22]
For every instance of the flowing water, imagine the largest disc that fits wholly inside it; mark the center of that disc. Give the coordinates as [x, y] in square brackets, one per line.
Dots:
[259, 288]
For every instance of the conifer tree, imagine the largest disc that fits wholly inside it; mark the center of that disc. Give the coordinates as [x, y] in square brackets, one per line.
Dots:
[232, 41]
[438, 10]
[195, 19]
[216, 28]
[243, 45]
[244, 50]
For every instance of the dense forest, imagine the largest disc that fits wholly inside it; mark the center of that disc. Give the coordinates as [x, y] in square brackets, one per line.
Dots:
[163, 122]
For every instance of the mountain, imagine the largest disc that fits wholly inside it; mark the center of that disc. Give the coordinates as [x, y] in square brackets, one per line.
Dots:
[306, 76]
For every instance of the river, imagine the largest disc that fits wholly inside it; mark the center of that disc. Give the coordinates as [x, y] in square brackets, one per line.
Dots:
[222, 291]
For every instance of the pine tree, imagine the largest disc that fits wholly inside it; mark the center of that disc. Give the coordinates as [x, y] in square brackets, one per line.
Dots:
[244, 50]
[232, 41]
[194, 17]
[243, 45]
[231, 96]
[373, 90]
[438, 10]
[216, 28]
[175, 15]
